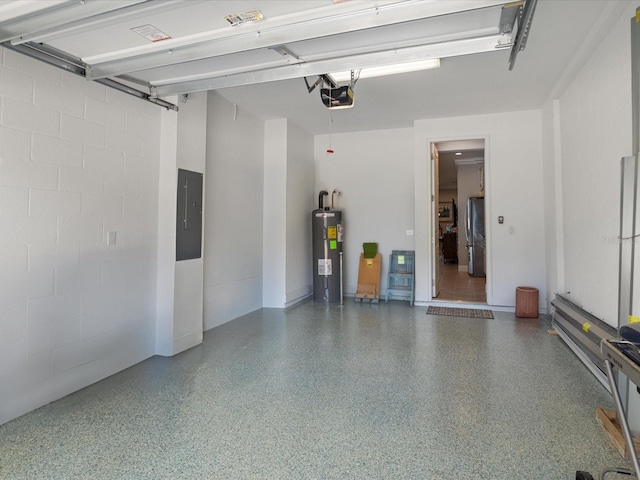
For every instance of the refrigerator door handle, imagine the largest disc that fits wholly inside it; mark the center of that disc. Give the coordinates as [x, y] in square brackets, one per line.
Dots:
[467, 230]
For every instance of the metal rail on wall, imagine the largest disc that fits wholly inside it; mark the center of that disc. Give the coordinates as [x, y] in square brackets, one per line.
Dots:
[74, 65]
[582, 332]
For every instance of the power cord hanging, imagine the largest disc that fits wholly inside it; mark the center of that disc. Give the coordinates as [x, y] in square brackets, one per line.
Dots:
[330, 150]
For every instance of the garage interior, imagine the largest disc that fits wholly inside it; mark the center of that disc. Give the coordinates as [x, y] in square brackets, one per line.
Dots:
[128, 351]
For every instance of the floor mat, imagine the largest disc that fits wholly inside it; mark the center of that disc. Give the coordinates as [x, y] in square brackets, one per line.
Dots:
[460, 312]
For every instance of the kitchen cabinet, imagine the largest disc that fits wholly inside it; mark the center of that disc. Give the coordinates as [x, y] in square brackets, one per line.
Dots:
[450, 247]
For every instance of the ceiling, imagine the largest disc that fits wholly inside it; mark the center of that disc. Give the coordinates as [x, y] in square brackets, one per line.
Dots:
[156, 49]
[466, 85]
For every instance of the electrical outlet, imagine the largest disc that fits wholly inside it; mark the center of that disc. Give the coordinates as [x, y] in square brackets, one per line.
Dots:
[409, 232]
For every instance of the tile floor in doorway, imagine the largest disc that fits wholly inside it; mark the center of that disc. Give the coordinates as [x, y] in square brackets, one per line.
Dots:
[457, 286]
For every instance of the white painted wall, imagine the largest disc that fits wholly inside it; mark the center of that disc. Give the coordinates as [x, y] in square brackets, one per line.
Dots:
[513, 187]
[595, 133]
[300, 203]
[180, 284]
[274, 248]
[288, 202]
[233, 229]
[554, 230]
[167, 211]
[374, 171]
[76, 161]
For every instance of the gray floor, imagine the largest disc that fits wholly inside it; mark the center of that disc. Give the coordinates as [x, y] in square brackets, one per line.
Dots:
[328, 392]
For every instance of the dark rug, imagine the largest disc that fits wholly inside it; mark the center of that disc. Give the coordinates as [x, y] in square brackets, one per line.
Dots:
[460, 312]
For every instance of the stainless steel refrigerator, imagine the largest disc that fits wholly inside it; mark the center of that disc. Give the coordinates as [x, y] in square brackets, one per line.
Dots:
[476, 243]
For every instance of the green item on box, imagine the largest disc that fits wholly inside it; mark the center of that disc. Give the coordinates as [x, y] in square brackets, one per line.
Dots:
[370, 250]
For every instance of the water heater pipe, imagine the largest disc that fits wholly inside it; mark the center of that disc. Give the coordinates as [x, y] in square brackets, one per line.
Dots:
[322, 194]
[335, 192]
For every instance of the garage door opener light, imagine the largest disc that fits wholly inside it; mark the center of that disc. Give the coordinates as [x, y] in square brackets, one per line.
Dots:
[393, 69]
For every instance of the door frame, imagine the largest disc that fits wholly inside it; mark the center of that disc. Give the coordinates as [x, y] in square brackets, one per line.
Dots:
[435, 222]
[433, 246]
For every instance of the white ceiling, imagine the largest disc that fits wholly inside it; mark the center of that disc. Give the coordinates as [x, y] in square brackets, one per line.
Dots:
[473, 84]
[95, 38]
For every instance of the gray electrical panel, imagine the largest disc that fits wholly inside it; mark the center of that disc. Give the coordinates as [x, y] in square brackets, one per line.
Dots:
[189, 215]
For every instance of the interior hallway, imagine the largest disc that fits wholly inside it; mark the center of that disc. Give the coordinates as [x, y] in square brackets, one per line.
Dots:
[360, 391]
[457, 286]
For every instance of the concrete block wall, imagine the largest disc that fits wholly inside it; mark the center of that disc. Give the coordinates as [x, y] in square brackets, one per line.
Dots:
[77, 161]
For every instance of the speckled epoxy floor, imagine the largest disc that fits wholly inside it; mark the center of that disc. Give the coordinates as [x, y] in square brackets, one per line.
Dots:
[329, 392]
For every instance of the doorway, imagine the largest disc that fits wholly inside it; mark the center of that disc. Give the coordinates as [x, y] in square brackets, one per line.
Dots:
[459, 233]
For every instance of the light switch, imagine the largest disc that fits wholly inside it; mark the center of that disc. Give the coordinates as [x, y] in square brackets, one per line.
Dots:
[409, 232]
[111, 238]
[512, 230]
